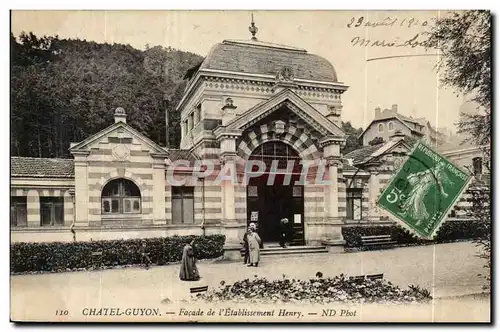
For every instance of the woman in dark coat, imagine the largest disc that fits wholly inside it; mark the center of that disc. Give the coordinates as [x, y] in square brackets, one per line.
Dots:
[189, 271]
[283, 232]
[245, 247]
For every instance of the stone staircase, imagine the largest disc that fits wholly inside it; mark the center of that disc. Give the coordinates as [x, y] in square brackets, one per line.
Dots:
[271, 250]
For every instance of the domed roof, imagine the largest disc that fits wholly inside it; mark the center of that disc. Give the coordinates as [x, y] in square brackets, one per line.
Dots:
[255, 57]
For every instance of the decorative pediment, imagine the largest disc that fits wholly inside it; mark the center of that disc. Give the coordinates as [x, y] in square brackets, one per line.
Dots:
[295, 104]
[119, 135]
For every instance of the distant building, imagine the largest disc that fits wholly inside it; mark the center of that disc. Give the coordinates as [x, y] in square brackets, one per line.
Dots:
[368, 170]
[388, 121]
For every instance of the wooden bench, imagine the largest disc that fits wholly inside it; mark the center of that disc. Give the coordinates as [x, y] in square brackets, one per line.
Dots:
[198, 289]
[379, 276]
[377, 241]
[375, 276]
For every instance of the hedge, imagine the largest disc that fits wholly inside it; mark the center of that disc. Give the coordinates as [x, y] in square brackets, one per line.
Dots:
[449, 231]
[67, 256]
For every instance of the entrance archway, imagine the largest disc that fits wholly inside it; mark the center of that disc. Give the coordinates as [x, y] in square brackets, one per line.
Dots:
[270, 201]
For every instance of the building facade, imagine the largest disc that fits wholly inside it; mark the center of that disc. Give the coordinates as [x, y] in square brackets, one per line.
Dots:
[389, 121]
[247, 101]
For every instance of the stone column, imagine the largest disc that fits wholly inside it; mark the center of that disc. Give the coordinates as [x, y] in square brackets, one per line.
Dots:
[233, 229]
[189, 123]
[159, 190]
[68, 208]
[183, 129]
[195, 117]
[373, 193]
[333, 220]
[332, 193]
[33, 208]
[81, 189]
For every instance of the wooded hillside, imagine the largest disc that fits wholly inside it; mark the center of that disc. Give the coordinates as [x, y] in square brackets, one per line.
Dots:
[64, 90]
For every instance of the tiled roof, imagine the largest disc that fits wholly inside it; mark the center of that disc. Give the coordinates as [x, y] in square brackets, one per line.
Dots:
[347, 167]
[264, 58]
[362, 154]
[41, 167]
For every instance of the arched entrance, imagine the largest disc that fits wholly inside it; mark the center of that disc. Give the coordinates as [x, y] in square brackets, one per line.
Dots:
[269, 201]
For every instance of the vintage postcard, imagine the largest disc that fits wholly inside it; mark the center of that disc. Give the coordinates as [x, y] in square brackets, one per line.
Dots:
[250, 166]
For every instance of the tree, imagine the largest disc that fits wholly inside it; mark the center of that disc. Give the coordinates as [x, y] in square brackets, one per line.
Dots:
[65, 90]
[376, 140]
[352, 134]
[464, 40]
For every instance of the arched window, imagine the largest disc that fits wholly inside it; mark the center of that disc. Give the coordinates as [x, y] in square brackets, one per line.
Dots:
[380, 127]
[390, 126]
[120, 196]
[277, 151]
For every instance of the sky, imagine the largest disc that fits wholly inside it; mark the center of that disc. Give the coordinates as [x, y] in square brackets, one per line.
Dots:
[377, 76]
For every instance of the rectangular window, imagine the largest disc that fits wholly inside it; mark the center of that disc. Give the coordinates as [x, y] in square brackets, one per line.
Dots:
[191, 121]
[52, 211]
[18, 211]
[198, 113]
[354, 203]
[183, 205]
[131, 205]
[477, 164]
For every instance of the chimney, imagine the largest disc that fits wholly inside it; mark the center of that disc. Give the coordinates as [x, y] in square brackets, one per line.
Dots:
[397, 136]
[394, 108]
[120, 115]
[378, 113]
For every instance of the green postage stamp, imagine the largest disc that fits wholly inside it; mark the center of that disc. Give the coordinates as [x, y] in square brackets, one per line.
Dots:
[423, 192]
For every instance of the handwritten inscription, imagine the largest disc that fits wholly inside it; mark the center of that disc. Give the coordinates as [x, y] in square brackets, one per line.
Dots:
[407, 22]
[415, 41]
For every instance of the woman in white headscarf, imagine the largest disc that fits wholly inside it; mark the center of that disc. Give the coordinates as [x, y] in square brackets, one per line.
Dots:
[254, 242]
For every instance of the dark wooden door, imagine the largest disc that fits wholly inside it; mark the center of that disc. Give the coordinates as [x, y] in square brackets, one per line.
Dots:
[268, 204]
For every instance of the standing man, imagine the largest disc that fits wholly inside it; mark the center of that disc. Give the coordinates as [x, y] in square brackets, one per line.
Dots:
[283, 232]
[145, 260]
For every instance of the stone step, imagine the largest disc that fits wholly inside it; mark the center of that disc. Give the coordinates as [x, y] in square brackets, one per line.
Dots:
[296, 250]
[291, 248]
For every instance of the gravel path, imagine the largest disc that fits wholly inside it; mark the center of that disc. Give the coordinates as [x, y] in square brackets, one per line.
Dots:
[444, 269]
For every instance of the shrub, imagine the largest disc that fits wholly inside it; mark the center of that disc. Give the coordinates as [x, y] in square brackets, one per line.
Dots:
[451, 230]
[318, 290]
[63, 256]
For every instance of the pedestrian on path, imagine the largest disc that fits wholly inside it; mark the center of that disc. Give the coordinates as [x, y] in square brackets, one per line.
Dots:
[284, 232]
[254, 243]
[145, 260]
[189, 271]
[245, 247]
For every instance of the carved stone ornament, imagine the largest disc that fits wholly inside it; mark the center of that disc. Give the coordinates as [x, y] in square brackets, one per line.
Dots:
[279, 127]
[120, 152]
[285, 75]
[333, 162]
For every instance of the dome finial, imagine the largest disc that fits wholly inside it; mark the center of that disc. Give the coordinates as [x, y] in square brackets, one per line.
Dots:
[253, 29]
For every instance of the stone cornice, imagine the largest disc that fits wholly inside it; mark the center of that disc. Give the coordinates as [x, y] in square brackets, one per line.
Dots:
[159, 155]
[329, 140]
[80, 152]
[223, 132]
[319, 89]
